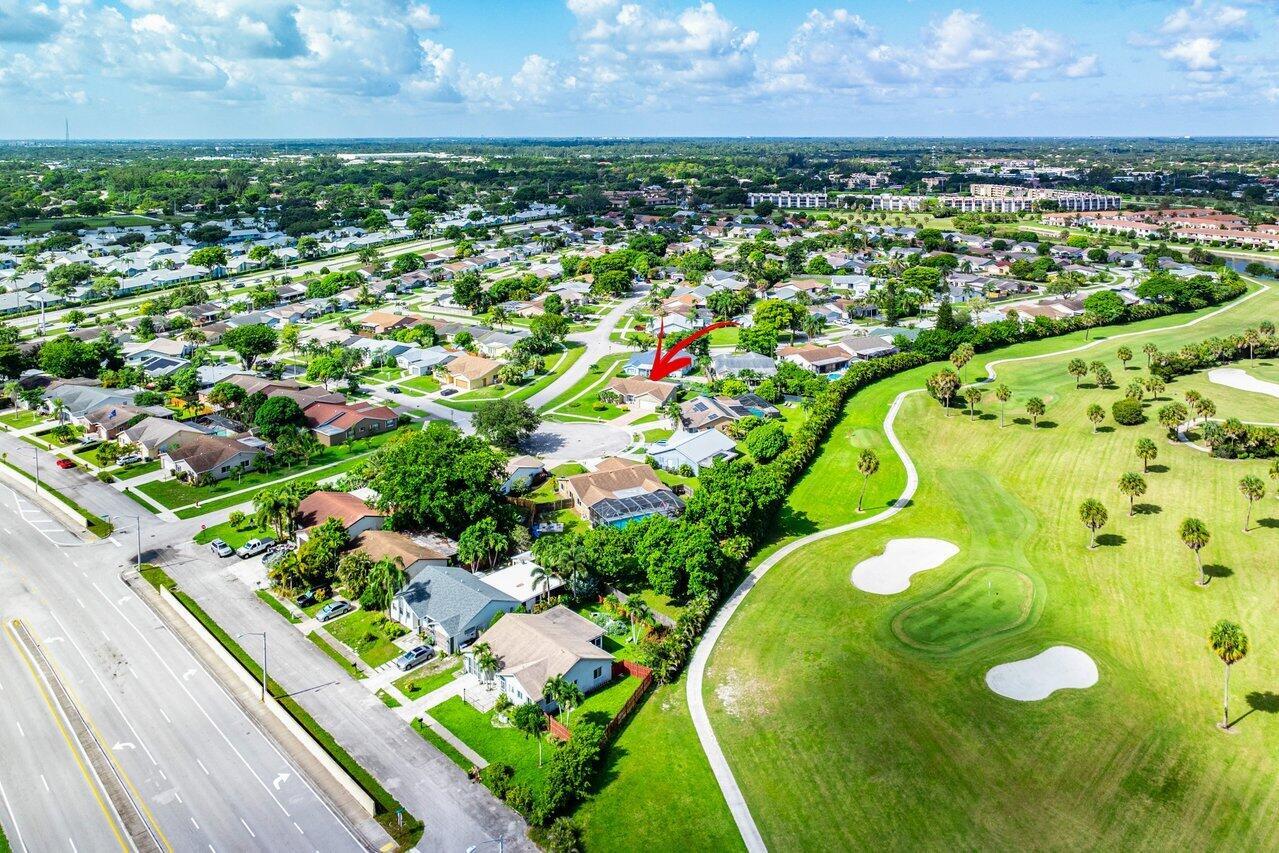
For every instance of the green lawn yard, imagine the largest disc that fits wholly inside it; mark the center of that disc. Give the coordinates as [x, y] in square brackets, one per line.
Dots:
[603, 705]
[233, 536]
[555, 367]
[496, 745]
[872, 720]
[175, 493]
[431, 677]
[426, 383]
[596, 378]
[369, 634]
[137, 470]
[22, 418]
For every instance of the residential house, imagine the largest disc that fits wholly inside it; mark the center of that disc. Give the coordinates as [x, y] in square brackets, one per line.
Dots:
[693, 449]
[522, 472]
[109, 421]
[338, 423]
[532, 648]
[517, 580]
[469, 372]
[641, 364]
[866, 346]
[149, 436]
[733, 364]
[498, 344]
[381, 322]
[643, 395]
[355, 515]
[705, 412]
[192, 455]
[618, 492]
[448, 606]
[414, 553]
[816, 359]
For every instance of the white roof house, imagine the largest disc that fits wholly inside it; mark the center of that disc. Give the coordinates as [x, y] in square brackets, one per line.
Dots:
[694, 449]
[516, 580]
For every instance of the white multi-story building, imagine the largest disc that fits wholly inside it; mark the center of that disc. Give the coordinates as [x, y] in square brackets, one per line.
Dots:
[790, 200]
[998, 198]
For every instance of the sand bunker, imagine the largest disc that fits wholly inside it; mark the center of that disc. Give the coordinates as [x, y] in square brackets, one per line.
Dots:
[1039, 677]
[890, 572]
[1233, 377]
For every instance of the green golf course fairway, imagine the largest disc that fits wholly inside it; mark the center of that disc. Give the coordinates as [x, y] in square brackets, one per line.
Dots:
[843, 736]
[988, 601]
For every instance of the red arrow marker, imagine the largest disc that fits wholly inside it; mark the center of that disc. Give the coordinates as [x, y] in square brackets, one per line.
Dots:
[666, 363]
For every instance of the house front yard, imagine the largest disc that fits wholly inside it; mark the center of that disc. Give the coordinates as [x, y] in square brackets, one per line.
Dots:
[22, 419]
[175, 493]
[496, 745]
[233, 536]
[369, 634]
[421, 682]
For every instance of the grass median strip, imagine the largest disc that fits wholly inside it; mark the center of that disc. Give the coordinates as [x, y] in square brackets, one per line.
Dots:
[351, 669]
[442, 745]
[274, 603]
[406, 834]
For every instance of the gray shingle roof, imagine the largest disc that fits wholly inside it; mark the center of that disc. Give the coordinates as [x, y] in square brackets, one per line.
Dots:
[449, 596]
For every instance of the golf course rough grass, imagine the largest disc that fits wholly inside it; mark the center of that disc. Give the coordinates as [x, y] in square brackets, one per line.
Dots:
[843, 737]
[987, 602]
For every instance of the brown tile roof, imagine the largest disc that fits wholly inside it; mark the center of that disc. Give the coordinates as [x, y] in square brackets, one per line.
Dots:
[473, 366]
[610, 477]
[388, 543]
[318, 507]
[636, 386]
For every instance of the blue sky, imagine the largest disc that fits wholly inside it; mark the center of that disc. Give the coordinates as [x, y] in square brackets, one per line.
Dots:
[305, 68]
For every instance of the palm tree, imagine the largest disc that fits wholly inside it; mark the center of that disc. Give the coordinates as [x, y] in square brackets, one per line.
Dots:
[59, 409]
[485, 661]
[1135, 390]
[1253, 489]
[564, 693]
[1094, 517]
[867, 465]
[1229, 643]
[1132, 485]
[1003, 394]
[1194, 535]
[961, 356]
[1124, 354]
[274, 508]
[1274, 474]
[1146, 451]
[1151, 351]
[1155, 386]
[1096, 414]
[944, 384]
[13, 390]
[1077, 368]
[973, 396]
[1035, 408]
[543, 576]
[638, 611]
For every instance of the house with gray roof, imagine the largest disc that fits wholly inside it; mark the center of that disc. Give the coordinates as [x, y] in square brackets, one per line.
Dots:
[448, 605]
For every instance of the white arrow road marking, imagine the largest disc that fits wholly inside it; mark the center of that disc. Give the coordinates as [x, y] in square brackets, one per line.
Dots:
[280, 779]
[122, 599]
[188, 675]
[124, 744]
[54, 639]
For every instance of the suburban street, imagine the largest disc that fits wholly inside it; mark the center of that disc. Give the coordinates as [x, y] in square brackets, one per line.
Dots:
[204, 775]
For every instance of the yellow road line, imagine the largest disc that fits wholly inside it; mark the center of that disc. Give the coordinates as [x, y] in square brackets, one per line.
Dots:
[66, 736]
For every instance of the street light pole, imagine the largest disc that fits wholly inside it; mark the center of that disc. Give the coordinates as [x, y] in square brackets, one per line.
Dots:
[261, 634]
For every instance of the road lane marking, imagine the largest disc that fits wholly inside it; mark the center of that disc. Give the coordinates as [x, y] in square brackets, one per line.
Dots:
[181, 681]
[13, 820]
[45, 781]
[202, 767]
[196, 825]
[103, 685]
[56, 716]
[20, 729]
[298, 828]
[166, 716]
[246, 826]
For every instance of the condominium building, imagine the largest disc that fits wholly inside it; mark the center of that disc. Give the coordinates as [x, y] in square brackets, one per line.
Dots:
[790, 200]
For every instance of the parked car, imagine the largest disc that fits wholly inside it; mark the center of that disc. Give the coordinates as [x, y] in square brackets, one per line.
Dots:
[220, 548]
[65, 463]
[131, 459]
[251, 548]
[393, 389]
[305, 599]
[415, 656]
[335, 608]
[448, 392]
[274, 556]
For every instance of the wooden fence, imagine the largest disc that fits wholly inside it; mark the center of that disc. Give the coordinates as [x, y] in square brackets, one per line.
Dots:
[621, 669]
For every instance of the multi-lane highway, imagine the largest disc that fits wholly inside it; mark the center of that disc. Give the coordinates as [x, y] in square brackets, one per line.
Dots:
[202, 775]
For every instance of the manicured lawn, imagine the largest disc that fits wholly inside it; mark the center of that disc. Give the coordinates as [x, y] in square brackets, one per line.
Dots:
[388, 374]
[175, 493]
[442, 745]
[274, 603]
[652, 436]
[233, 536]
[872, 720]
[602, 705]
[726, 337]
[137, 470]
[418, 683]
[471, 400]
[650, 418]
[568, 469]
[334, 655]
[426, 383]
[656, 767]
[596, 378]
[496, 745]
[660, 603]
[369, 635]
[22, 418]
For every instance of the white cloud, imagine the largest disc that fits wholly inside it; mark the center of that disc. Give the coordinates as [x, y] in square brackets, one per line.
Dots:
[1198, 54]
[1207, 19]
